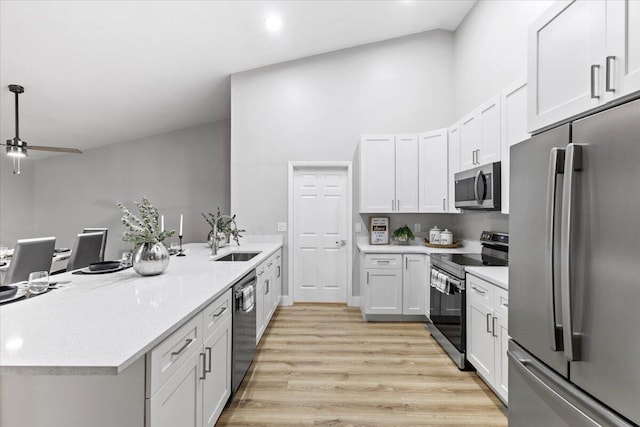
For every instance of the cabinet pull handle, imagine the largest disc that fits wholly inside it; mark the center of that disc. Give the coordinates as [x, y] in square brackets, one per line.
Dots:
[506, 304]
[444, 204]
[260, 272]
[406, 263]
[279, 271]
[208, 351]
[270, 264]
[594, 68]
[204, 370]
[183, 348]
[383, 261]
[398, 205]
[219, 313]
[266, 289]
[489, 317]
[609, 83]
[277, 256]
[480, 291]
[393, 205]
[367, 277]
[493, 327]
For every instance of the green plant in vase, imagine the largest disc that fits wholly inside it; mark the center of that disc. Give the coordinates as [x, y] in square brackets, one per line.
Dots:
[222, 223]
[403, 235]
[150, 256]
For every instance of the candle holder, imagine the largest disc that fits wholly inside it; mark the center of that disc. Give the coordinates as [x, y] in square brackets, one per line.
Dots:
[180, 252]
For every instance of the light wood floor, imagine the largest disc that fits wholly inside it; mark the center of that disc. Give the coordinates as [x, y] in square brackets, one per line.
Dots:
[320, 364]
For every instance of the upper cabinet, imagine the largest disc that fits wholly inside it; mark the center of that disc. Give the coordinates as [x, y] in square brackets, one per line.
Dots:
[454, 164]
[377, 174]
[582, 54]
[513, 129]
[480, 135]
[389, 173]
[433, 171]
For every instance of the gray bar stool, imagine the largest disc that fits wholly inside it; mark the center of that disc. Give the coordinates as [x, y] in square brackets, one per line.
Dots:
[30, 255]
[86, 250]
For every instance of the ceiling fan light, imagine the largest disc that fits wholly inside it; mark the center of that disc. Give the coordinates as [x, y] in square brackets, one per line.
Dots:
[14, 151]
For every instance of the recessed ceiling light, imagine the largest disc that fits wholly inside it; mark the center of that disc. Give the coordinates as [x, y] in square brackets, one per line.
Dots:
[273, 22]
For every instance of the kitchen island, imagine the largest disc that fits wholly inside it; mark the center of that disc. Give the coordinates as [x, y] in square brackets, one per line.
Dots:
[77, 356]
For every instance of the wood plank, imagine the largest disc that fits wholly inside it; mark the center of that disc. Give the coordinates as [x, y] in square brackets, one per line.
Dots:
[322, 364]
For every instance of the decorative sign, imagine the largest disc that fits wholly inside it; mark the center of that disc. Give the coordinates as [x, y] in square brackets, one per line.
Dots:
[379, 230]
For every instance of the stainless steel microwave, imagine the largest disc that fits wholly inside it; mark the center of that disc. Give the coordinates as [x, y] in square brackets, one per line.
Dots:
[478, 188]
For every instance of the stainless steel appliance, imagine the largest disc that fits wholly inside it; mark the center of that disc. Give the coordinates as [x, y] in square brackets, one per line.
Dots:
[244, 327]
[478, 188]
[448, 296]
[574, 276]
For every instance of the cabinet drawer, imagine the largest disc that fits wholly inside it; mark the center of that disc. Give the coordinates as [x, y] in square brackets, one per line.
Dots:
[216, 312]
[480, 291]
[167, 357]
[383, 261]
[501, 299]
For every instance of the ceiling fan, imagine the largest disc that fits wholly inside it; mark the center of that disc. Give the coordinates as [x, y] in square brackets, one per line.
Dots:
[17, 148]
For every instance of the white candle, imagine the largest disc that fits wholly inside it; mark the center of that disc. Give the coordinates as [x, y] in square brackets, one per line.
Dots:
[162, 223]
[181, 226]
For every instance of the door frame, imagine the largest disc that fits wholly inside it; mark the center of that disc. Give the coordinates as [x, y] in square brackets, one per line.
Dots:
[298, 165]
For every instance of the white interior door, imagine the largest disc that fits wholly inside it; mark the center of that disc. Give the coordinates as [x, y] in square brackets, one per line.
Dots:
[320, 219]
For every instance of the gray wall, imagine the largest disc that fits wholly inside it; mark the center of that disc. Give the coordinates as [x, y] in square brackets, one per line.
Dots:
[316, 108]
[185, 171]
[16, 201]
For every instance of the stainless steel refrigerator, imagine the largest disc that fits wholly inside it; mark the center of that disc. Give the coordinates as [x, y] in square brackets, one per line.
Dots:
[574, 273]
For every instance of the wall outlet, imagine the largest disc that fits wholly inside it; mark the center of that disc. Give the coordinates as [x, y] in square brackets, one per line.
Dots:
[416, 228]
[358, 227]
[282, 227]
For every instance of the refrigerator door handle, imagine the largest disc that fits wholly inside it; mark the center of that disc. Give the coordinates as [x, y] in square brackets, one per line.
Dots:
[573, 164]
[562, 392]
[556, 167]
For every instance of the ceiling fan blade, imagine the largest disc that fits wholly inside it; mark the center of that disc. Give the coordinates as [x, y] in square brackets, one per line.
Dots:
[55, 149]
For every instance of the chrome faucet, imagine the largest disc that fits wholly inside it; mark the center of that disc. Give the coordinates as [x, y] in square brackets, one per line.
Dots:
[215, 239]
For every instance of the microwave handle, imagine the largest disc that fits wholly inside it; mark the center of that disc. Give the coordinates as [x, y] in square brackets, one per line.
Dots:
[479, 199]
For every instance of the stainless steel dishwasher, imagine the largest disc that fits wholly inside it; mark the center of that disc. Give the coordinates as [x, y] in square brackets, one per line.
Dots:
[244, 327]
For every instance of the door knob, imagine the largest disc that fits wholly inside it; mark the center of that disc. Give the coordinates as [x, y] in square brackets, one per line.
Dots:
[341, 243]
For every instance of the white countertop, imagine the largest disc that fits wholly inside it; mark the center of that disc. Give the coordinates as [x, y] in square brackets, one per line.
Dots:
[497, 275]
[416, 247]
[103, 323]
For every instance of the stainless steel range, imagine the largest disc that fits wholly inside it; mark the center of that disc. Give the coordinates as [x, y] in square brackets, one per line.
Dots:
[448, 296]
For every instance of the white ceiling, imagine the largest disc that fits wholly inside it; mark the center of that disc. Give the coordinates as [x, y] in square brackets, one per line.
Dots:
[104, 72]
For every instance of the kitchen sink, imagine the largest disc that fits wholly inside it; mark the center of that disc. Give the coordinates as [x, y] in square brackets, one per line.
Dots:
[238, 256]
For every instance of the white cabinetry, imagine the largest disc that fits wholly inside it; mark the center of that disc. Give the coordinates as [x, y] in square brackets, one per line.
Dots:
[582, 54]
[189, 373]
[514, 130]
[268, 291]
[393, 284]
[413, 279]
[389, 173]
[487, 333]
[480, 135]
[433, 171]
[454, 165]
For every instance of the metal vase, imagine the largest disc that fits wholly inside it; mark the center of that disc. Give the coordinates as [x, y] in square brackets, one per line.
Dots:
[151, 259]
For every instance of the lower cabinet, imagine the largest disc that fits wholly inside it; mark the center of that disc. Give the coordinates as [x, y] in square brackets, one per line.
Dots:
[488, 333]
[189, 374]
[268, 291]
[393, 284]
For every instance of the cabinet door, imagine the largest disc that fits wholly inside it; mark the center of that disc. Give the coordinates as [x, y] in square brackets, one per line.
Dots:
[514, 129]
[268, 297]
[406, 173]
[427, 286]
[454, 165]
[377, 174]
[489, 149]
[216, 387]
[480, 346]
[623, 48]
[260, 303]
[384, 291]
[501, 380]
[566, 61]
[277, 281]
[433, 171]
[469, 140]
[179, 401]
[413, 279]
